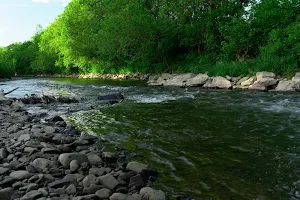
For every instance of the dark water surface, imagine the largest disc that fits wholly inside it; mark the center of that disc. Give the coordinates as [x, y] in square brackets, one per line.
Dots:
[211, 145]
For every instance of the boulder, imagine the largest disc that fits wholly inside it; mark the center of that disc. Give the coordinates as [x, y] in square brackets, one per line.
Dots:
[198, 80]
[118, 196]
[288, 86]
[24, 138]
[265, 82]
[3, 153]
[95, 160]
[249, 81]
[89, 179]
[220, 82]
[103, 193]
[66, 158]
[6, 194]
[32, 195]
[260, 75]
[179, 80]
[19, 175]
[136, 166]
[71, 189]
[40, 164]
[108, 181]
[257, 87]
[3, 170]
[148, 193]
[241, 80]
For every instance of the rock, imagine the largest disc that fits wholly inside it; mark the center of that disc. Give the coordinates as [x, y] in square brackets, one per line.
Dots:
[260, 75]
[43, 191]
[220, 82]
[118, 196]
[66, 158]
[97, 171]
[92, 189]
[29, 187]
[49, 129]
[59, 183]
[74, 165]
[265, 82]
[56, 119]
[288, 86]
[10, 157]
[241, 80]
[29, 150]
[90, 179]
[108, 181]
[104, 193]
[179, 80]
[134, 197]
[40, 164]
[74, 178]
[6, 194]
[3, 170]
[148, 193]
[197, 80]
[24, 138]
[126, 176]
[86, 197]
[136, 181]
[71, 189]
[249, 81]
[136, 166]
[3, 153]
[19, 175]
[257, 87]
[32, 195]
[95, 160]
[110, 156]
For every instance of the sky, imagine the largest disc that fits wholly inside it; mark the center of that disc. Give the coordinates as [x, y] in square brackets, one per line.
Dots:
[19, 18]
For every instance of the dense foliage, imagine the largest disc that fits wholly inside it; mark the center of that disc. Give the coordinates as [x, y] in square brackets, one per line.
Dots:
[221, 37]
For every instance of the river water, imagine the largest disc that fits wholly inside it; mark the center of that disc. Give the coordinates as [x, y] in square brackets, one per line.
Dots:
[208, 144]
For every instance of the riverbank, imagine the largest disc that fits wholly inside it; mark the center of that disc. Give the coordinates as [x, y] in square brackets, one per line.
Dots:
[51, 161]
[262, 81]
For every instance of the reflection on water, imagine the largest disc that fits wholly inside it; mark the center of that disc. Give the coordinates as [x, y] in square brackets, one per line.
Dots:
[212, 145]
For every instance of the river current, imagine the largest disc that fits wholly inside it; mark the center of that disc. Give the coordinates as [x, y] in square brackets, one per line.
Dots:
[208, 144]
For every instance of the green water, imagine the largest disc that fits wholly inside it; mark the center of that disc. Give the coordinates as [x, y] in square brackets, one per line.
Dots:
[208, 144]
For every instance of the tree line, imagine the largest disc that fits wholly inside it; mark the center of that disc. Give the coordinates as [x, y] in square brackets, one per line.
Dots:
[220, 37]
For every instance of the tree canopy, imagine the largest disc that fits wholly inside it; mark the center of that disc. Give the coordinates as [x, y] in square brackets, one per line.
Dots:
[221, 37]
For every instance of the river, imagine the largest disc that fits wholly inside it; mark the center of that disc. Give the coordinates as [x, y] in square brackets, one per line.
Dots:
[208, 144]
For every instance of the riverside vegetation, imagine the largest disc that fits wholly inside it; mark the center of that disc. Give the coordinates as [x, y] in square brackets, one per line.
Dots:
[222, 38]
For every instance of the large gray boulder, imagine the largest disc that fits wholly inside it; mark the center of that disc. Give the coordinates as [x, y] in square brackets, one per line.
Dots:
[261, 75]
[6, 194]
[198, 80]
[284, 86]
[19, 175]
[179, 80]
[148, 193]
[103, 193]
[266, 82]
[220, 82]
[66, 158]
[40, 164]
[118, 196]
[108, 181]
[136, 166]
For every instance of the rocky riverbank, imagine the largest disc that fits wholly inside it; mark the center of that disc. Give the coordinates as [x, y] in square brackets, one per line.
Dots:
[263, 81]
[51, 161]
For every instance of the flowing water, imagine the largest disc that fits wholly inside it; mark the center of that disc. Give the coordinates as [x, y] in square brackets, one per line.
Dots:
[208, 144]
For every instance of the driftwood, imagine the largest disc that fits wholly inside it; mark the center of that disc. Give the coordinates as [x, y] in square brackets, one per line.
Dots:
[2, 93]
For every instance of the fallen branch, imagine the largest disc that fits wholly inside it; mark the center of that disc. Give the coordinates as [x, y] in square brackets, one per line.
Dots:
[5, 93]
